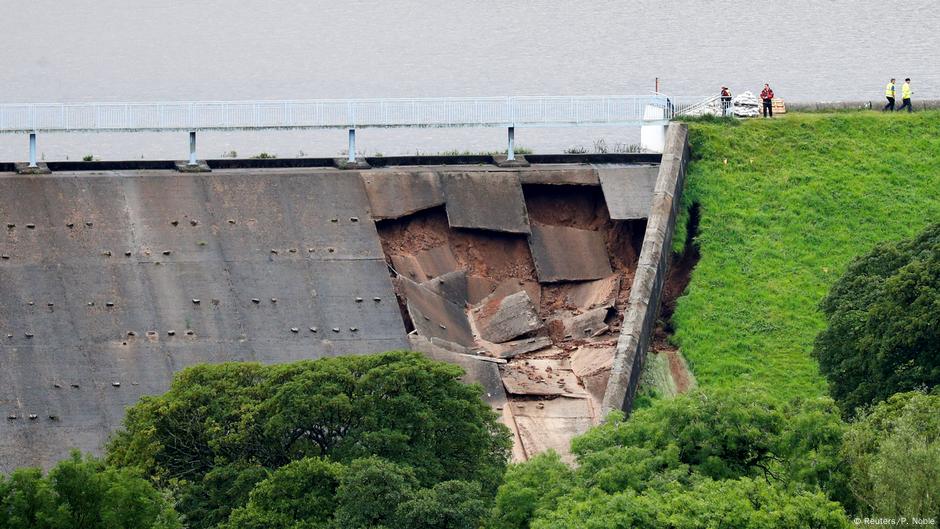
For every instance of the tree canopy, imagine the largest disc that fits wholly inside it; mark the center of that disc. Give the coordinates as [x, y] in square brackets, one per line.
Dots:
[719, 458]
[244, 444]
[82, 493]
[893, 456]
[883, 333]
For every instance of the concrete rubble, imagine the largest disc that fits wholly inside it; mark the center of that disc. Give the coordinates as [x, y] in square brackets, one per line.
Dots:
[541, 376]
[587, 324]
[538, 315]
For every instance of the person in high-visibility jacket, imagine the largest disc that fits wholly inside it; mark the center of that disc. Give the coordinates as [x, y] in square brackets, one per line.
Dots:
[889, 95]
[906, 96]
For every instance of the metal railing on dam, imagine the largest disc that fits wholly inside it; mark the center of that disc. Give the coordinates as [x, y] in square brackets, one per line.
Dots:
[351, 114]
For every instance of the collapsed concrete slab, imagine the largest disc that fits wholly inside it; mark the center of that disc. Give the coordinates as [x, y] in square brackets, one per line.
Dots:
[477, 371]
[435, 317]
[487, 201]
[451, 286]
[628, 190]
[502, 318]
[518, 347]
[541, 377]
[551, 424]
[395, 194]
[587, 324]
[591, 294]
[478, 288]
[568, 254]
[425, 265]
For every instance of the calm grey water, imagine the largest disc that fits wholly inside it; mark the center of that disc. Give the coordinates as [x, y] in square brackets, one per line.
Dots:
[141, 50]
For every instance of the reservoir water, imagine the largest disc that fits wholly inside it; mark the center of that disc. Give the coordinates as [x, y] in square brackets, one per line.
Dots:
[140, 50]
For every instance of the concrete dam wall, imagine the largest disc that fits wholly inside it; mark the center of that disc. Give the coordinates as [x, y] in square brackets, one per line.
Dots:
[112, 280]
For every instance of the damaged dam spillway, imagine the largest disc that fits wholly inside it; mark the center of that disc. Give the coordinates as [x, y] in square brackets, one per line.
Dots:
[112, 281]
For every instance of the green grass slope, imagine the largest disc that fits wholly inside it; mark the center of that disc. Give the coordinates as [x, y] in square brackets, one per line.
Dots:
[785, 205]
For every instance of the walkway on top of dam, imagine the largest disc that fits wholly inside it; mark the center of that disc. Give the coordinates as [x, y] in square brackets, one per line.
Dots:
[521, 111]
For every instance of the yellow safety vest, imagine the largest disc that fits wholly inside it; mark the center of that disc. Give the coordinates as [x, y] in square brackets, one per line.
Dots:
[905, 91]
[889, 90]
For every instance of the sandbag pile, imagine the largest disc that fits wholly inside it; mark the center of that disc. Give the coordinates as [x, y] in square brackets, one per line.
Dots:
[745, 105]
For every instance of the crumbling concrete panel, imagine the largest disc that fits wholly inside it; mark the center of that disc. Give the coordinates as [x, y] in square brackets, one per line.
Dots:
[395, 194]
[591, 294]
[477, 371]
[541, 377]
[502, 318]
[561, 175]
[518, 347]
[540, 434]
[568, 254]
[486, 201]
[435, 317]
[451, 286]
[580, 326]
[426, 264]
[628, 190]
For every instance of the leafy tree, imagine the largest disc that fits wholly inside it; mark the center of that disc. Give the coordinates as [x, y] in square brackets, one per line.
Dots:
[27, 500]
[447, 505]
[893, 454]
[742, 503]
[720, 458]
[211, 500]
[720, 434]
[83, 494]
[369, 493]
[299, 495]
[221, 429]
[883, 333]
[530, 488]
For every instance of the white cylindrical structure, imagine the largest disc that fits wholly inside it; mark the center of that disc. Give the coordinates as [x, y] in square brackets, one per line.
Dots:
[352, 146]
[510, 151]
[192, 147]
[32, 150]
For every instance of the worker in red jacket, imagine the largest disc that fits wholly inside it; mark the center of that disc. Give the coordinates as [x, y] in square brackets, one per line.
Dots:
[767, 94]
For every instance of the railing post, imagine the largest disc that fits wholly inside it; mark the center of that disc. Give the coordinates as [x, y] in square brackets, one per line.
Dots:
[351, 158]
[32, 149]
[510, 151]
[192, 148]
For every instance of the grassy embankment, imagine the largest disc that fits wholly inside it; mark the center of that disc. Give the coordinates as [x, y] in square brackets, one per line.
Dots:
[785, 205]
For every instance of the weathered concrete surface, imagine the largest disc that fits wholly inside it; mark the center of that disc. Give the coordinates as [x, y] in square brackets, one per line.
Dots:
[487, 201]
[541, 376]
[568, 254]
[502, 318]
[646, 293]
[477, 371]
[598, 293]
[111, 281]
[518, 347]
[570, 175]
[451, 286]
[435, 317]
[579, 326]
[116, 281]
[426, 265]
[628, 190]
[394, 194]
[551, 424]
